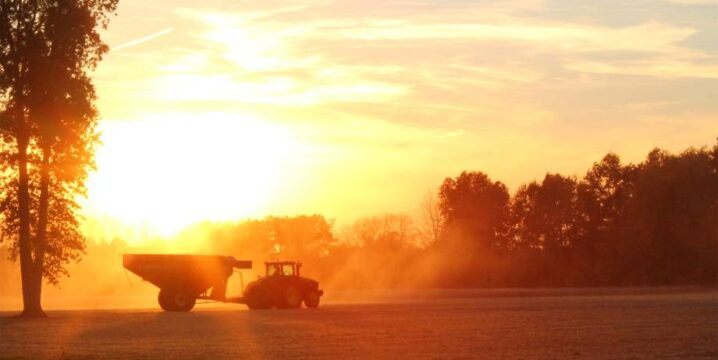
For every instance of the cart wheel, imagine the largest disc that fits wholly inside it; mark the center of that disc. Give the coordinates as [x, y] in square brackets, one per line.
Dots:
[312, 300]
[176, 300]
[164, 300]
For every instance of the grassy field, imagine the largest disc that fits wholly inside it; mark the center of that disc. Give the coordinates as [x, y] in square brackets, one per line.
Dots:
[512, 324]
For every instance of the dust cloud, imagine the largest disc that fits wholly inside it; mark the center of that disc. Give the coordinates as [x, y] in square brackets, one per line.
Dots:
[351, 258]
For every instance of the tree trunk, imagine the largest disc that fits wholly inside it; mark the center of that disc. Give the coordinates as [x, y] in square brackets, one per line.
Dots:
[41, 231]
[30, 291]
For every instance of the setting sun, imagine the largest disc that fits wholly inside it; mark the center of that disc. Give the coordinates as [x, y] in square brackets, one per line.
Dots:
[163, 173]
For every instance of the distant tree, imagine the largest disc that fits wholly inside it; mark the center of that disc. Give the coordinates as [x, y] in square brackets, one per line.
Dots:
[544, 222]
[47, 127]
[475, 208]
[602, 196]
[380, 251]
[388, 232]
[429, 218]
[673, 235]
[475, 211]
[305, 237]
[544, 214]
[302, 237]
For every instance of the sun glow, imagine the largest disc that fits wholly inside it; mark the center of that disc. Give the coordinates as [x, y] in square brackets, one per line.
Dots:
[375, 107]
[163, 173]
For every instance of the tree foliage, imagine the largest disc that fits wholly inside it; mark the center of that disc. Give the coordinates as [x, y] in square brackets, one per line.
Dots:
[475, 207]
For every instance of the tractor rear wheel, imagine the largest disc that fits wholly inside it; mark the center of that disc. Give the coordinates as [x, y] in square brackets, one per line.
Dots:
[292, 298]
[176, 300]
[312, 300]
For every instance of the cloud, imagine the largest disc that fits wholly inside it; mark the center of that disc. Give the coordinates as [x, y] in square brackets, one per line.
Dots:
[281, 91]
[694, 2]
[142, 39]
[664, 69]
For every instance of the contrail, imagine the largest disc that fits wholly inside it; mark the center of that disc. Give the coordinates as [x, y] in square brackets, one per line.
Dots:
[142, 39]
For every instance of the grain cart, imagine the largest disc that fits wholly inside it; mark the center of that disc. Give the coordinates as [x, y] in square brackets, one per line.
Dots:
[183, 279]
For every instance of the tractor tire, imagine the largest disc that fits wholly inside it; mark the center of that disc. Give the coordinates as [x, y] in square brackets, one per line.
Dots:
[258, 304]
[176, 301]
[291, 299]
[311, 301]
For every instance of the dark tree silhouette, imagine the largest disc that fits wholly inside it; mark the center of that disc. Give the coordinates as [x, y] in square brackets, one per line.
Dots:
[306, 237]
[602, 196]
[429, 219]
[543, 220]
[672, 237]
[543, 214]
[476, 208]
[48, 131]
[475, 213]
[388, 232]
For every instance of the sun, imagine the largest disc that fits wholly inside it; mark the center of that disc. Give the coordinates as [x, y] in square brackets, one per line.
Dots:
[164, 172]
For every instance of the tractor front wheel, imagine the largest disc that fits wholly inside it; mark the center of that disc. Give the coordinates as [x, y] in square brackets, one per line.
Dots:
[258, 304]
[257, 298]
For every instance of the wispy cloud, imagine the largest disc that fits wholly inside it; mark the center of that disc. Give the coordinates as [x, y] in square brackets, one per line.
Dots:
[694, 2]
[142, 39]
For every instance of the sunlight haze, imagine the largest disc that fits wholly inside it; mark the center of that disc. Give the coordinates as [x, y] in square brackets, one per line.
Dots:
[228, 110]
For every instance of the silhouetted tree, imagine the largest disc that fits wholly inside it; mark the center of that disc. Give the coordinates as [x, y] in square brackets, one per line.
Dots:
[388, 232]
[543, 214]
[302, 237]
[474, 207]
[429, 219]
[306, 237]
[475, 213]
[48, 130]
[602, 196]
[543, 223]
[380, 251]
[673, 232]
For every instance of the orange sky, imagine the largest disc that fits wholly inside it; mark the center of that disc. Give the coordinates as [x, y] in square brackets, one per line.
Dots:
[225, 110]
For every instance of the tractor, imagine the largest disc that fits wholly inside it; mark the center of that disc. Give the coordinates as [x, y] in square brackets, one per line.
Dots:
[282, 287]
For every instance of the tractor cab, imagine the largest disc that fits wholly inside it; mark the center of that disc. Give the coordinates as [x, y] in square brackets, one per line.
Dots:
[282, 268]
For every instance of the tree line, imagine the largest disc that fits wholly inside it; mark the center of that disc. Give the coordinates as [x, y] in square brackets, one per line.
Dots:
[651, 223]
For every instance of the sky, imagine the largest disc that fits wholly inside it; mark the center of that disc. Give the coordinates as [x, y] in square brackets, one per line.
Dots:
[226, 110]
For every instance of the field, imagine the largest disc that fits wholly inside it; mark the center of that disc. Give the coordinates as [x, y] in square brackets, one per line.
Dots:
[442, 324]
